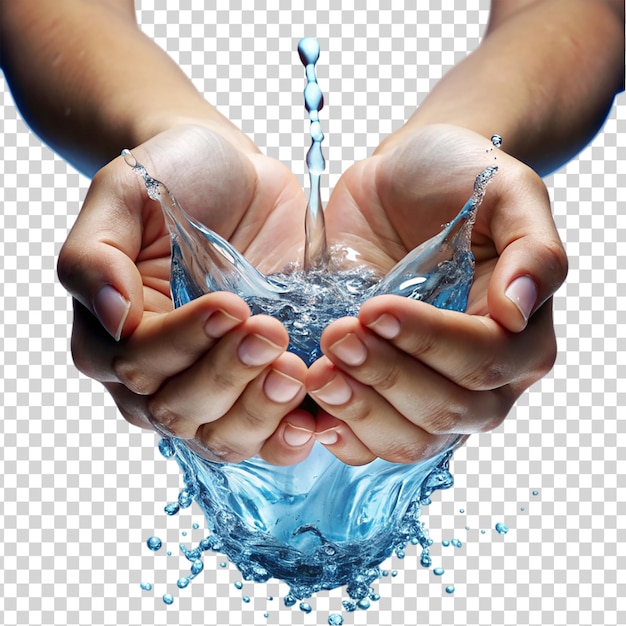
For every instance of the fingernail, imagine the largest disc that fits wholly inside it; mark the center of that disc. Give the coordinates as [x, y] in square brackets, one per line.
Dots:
[387, 326]
[523, 293]
[219, 323]
[111, 309]
[281, 388]
[328, 437]
[255, 350]
[351, 350]
[337, 391]
[296, 435]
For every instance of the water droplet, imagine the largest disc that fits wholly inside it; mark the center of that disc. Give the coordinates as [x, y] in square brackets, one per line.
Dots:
[501, 528]
[461, 510]
[172, 508]
[450, 589]
[195, 526]
[154, 543]
[184, 533]
[289, 600]
[245, 599]
[439, 571]
[349, 606]
[182, 582]
[238, 584]
[364, 604]
[196, 567]
[223, 564]
[394, 572]
[166, 448]
[309, 50]
[496, 140]
[334, 619]
[445, 543]
[483, 531]
[146, 586]
[535, 493]
[168, 598]
[456, 543]
[305, 607]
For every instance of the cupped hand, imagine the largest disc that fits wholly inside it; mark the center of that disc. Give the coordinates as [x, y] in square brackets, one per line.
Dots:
[405, 379]
[208, 372]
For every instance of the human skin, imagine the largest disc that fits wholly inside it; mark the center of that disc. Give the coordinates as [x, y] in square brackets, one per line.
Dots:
[163, 367]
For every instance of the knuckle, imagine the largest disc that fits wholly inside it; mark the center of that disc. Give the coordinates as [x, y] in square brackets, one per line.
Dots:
[217, 450]
[445, 420]
[489, 376]
[167, 421]
[408, 454]
[134, 377]
[384, 378]
[556, 263]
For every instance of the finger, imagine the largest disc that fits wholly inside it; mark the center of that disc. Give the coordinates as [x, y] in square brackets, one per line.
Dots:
[244, 430]
[337, 437]
[416, 391]
[473, 351]
[207, 390]
[377, 424]
[532, 262]
[161, 346]
[97, 262]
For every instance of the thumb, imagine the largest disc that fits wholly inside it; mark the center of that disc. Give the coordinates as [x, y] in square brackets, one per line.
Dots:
[97, 262]
[532, 264]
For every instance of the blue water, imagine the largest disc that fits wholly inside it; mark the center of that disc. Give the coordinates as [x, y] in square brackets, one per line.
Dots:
[320, 524]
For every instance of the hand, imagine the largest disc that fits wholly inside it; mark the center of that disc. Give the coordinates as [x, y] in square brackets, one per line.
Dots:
[207, 372]
[404, 380]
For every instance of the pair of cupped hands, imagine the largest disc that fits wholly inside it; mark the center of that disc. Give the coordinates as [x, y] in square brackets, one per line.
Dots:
[402, 381]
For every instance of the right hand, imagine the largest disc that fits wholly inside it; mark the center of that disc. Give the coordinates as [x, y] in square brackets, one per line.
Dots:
[208, 372]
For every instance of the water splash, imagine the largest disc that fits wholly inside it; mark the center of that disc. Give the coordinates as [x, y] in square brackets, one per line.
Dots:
[279, 522]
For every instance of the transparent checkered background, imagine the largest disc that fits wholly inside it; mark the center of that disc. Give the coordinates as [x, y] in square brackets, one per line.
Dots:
[81, 490]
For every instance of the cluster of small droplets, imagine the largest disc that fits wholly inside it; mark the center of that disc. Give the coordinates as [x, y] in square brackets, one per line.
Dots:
[152, 185]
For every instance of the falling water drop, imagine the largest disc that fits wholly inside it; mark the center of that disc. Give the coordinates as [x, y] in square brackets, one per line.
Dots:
[496, 140]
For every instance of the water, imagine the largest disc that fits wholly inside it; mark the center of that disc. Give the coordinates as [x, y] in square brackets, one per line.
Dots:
[281, 522]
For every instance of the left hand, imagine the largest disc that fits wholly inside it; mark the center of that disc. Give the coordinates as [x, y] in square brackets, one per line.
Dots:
[404, 379]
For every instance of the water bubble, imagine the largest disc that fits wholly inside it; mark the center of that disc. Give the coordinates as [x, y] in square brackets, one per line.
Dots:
[439, 571]
[501, 528]
[184, 533]
[195, 526]
[445, 543]
[496, 140]
[334, 619]
[168, 598]
[223, 564]
[146, 586]
[535, 493]
[450, 589]
[154, 543]
[461, 510]
[363, 604]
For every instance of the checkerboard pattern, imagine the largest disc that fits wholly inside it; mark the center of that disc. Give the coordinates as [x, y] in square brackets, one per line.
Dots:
[81, 490]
